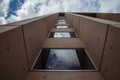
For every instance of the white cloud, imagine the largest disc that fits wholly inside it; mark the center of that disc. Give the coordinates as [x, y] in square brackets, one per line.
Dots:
[109, 6]
[4, 5]
[33, 8]
[2, 20]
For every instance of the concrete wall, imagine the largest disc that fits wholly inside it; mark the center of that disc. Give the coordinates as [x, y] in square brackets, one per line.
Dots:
[35, 35]
[35, 32]
[94, 38]
[20, 43]
[110, 16]
[13, 62]
[107, 16]
[101, 39]
[111, 58]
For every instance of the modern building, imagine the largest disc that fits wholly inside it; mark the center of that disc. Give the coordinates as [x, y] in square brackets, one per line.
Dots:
[61, 46]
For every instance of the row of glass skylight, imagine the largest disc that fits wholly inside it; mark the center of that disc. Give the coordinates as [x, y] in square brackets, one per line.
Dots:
[62, 34]
[63, 59]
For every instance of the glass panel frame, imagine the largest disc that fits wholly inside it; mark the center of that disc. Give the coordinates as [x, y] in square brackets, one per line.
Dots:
[61, 26]
[62, 59]
[86, 63]
[72, 35]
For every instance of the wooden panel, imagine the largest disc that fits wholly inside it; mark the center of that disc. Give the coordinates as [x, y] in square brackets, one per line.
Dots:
[63, 43]
[35, 35]
[111, 58]
[62, 30]
[64, 76]
[13, 63]
[93, 34]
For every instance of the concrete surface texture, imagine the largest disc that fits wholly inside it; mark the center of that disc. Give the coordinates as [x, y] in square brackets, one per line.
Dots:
[98, 33]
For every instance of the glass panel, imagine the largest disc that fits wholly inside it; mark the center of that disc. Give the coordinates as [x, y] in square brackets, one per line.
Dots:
[63, 59]
[62, 34]
[62, 26]
[61, 22]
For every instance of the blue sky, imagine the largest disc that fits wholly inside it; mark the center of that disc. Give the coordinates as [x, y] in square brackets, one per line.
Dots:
[15, 10]
[14, 5]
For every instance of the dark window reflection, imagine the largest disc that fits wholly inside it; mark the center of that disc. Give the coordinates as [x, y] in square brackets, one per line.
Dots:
[62, 59]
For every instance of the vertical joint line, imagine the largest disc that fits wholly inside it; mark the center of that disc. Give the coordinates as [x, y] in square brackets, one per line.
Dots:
[25, 47]
[104, 47]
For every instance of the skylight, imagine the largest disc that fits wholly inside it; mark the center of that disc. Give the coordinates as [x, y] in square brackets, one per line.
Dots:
[62, 26]
[62, 59]
[62, 34]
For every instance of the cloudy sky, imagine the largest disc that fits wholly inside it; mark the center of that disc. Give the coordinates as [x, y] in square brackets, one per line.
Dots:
[15, 10]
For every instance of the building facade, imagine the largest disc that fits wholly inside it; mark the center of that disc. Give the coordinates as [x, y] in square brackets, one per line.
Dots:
[61, 46]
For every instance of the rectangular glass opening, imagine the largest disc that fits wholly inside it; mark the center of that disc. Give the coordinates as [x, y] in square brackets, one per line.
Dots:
[63, 59]
[61, 22]
[62, 35]
[62, 27]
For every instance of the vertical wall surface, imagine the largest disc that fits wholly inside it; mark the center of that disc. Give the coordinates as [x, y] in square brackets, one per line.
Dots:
[102, 41]
[35, 32]
[13, 63]
[92, 33]
[20, 43]
[111, 58]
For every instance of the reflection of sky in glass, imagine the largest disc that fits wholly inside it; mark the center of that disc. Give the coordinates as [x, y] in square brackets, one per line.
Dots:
[62, 59]
[62, 26]
[61, 22]
[62, 34]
